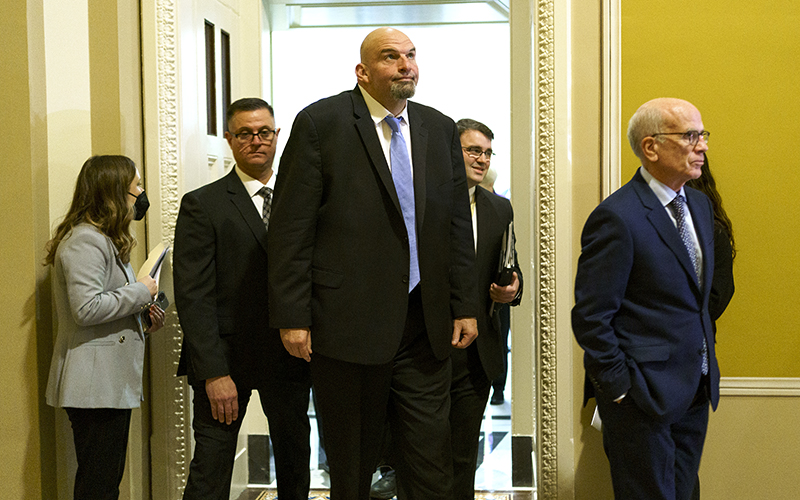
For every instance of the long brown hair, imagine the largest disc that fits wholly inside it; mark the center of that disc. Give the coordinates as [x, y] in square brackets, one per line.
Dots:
[708, 186]
[101, 199]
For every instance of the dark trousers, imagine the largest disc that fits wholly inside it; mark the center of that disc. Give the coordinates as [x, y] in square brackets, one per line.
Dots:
[650, 459]
[286, 406]
[499, 383]
[411, 393]
[101, 442]
[469, 393]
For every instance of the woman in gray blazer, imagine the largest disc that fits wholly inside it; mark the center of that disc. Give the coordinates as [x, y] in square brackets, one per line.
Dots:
[96, 370]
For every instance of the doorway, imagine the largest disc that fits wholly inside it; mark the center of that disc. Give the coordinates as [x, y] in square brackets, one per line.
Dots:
[464, 72]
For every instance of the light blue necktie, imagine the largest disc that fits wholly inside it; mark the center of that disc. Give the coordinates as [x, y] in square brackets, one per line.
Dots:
[404, 184]
[678, 206]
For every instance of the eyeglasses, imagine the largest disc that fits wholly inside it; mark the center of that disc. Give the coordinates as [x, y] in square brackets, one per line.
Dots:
[692, 136]
[475, 152]
[265, 135]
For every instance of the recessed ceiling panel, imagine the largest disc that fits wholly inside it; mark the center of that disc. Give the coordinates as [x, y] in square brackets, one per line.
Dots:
[331, 13]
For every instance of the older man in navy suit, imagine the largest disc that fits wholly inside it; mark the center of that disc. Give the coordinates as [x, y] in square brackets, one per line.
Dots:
[641, 309]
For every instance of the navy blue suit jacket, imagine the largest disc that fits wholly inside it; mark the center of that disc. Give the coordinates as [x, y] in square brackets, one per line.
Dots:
[640, 314]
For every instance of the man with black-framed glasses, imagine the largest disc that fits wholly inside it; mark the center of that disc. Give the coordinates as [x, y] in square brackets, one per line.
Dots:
[641, 309]
[221, 293]
[475, 367]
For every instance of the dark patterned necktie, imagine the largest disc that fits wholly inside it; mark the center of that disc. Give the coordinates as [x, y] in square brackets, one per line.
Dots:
[678, 207]
[266, 193]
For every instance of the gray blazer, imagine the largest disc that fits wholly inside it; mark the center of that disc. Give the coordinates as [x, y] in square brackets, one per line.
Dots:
[99, 351]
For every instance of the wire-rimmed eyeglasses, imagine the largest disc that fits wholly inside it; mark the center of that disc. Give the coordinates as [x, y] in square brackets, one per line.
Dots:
[692, 136]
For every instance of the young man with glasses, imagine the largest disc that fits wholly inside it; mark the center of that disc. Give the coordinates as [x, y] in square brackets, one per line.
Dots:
[475, 367]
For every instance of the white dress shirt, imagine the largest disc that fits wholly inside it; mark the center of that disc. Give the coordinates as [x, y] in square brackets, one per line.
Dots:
[665, 195]
[379, 113]
[252, 186]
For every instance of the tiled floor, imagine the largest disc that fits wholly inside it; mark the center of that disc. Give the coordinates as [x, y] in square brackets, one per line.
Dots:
[323, 495]
[492, 479]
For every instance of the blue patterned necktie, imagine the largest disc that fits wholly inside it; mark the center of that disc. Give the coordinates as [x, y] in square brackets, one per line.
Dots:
[266, 193]
[678, 206]
[404, 184]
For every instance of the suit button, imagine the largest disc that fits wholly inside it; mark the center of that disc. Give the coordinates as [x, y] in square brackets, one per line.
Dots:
[122, 339]
[405, 278]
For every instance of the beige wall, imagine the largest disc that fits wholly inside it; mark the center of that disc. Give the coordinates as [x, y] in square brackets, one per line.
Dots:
[752, 449]
[47, 136]
[21, 440]
[65, 96]
[591, 479]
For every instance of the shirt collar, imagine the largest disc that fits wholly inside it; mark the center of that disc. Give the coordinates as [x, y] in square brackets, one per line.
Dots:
[377, 111]
[664, 193]
[251, 185]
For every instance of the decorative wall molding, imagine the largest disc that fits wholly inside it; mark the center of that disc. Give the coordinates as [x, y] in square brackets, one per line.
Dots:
[168, 135]
[544, 122]
[759, 386]
[544, 116]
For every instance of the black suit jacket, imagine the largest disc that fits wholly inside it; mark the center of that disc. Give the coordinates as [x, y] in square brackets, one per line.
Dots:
[640, 314]
[220, 270]
[339, 248]
[494, 213]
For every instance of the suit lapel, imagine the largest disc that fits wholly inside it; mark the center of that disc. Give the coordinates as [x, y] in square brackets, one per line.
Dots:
[244, 205]
[366, 129]
[419, 152]
[658, 217]
[486, 216]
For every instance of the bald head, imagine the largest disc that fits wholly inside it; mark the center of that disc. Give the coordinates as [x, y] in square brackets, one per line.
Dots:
[655, 116]
[377, 37]
[388, 68]
[667, 136]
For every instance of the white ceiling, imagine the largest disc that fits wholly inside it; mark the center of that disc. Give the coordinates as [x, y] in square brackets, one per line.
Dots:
[287, 14]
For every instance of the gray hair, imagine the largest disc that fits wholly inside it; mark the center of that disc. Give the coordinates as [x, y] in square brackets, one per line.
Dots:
[647, 120]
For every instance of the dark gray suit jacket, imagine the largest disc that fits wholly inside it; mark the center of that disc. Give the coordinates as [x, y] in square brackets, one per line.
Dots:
[220, 271]
[494, 213]
[338, 245]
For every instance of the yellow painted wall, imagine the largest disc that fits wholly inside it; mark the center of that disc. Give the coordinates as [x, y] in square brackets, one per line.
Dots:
[736, 60]
[25, 433]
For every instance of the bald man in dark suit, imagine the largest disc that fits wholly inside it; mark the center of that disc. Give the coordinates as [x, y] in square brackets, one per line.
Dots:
[371, 270]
